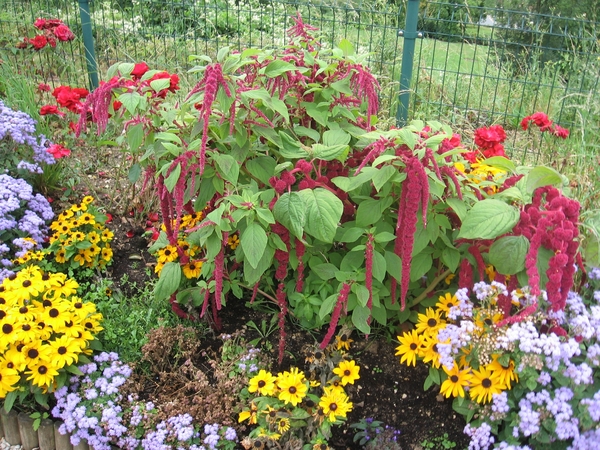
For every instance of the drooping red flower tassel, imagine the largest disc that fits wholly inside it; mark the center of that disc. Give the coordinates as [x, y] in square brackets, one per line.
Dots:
[300, 248]
[369, 270]
[219, 271]
[465, 275]
[335, 315]
[282, 303]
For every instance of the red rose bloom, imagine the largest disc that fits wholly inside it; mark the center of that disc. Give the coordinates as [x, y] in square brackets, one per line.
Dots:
[63, 33]
[58, 151]
[488, 138]
[139, 70]
[40, 23]
[51, 109]
[43, 87]
[39, 42]
[70, 98]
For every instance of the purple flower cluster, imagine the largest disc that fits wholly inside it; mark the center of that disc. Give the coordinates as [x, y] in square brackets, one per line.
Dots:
[92, 409]
[481, 437]
[20, 128]
[248, 361]
[22, 214]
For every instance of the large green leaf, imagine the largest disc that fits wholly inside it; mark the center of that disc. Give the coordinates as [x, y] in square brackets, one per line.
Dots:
[290, 211]
[507, 254]
[360, 317]
[228, 167]
[488, 219]
[323, 213]
[254, 242]
[278, 67]
[542, 176]
[262, 168]
[251, 274]
[168, 282]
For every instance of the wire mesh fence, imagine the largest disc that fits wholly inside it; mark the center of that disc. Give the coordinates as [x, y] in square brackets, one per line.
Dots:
[472, 65]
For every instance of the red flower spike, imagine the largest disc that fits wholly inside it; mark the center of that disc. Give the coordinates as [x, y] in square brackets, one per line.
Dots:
[465, 275]
[369, 269]
[282, 302]
[335, 315]
[300, 275]
[474, 250]
[219, 271]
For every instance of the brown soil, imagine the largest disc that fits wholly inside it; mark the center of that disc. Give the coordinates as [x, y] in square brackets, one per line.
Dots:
[387, 391]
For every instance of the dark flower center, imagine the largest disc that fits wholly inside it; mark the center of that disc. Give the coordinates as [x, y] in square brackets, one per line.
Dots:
[486, 383]
[454, 378]
[26, 283]
[23, 310]
[347, 373]
[333, 407]
[46, 303]
[7, 328]
[292, 389]
[26, 327]
[261, 383]
[89, 325]
[318, 355]
[54, 313]
[2, 314]
[343, 338]
[62, 350]
[78, 305]
[33, 353]
[45, 277]
[42, 370]
[413, 346]
[432, 322]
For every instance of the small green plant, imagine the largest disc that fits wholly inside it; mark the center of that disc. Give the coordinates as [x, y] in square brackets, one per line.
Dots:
[265, 330]
[438, 443]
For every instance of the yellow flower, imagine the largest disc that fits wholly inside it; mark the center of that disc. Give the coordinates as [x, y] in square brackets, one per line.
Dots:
[42, 374]
[335, 404]
[283, 425]
[107, 235]
[106, 253]
[455, 383]
[249, 414]
[60, 256]
[263, 382]
[9, 377]
[263, 432]
[87, 219]
[409, 348]
[491, 272]
[233, 241]
[429, 351]
[66, 351]
[192, 269]
[430, 322]
[87, 199]
[343, 341]
[505, 374]
[347, 371]
[445, 302]
[167, 254]
[292, 386]
[83, 256]
[484, 385]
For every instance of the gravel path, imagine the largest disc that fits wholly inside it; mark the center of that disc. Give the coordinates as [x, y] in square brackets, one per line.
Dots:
[6, 446]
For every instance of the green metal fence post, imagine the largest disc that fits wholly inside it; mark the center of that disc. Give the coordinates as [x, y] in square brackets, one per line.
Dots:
[88, 43]
[408, 54]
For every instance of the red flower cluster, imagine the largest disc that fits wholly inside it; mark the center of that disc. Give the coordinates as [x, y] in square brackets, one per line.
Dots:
[70, 98]
[52, 29]
[543, 122]
[58, 151]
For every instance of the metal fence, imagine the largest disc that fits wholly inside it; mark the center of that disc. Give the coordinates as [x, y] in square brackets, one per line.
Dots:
[463, 64]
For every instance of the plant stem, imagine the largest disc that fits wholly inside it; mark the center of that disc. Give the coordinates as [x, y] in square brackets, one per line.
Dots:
[431, 287]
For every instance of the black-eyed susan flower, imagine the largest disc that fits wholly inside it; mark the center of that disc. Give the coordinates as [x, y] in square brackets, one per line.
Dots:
[335, 404]
[343, 341]
[233, 241]
[42, 374]
[445, 302]
[83, 257]
[56, 316]
[409, 348]
[268, 434]
[61, 256]
[65, 351]
[263, 383]
[192, 269]
[292, 386]
[9, 377]
[430, 322]
[484, 385]
[167, 254]
[36, 351]
[283, 424]
[87, 200]
[456, 382]
[347, 371]
[65, 288]
[249, 414]
[504, 373]
[271, 414]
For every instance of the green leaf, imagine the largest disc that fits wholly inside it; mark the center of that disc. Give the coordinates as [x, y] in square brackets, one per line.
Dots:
[420, 265]
[135, 136]
[278, 67]
[222, 54]
[327, 306]
[379, 266]
[393, 265]
[352, 234]
[336, 137]
[502, 163]
[290, 210]
[291, 148]
[458, 206]
[346, 46]
[134, 173]
[173, 178]
[9, 400]
[160, 84]
[229, 167]
[488, 219]
[262, 168]
[330, 153]
[130, 101]
[507, 254]
[254, 242]
[383, 175]
[451, 258]
[168, 282]
[323, 213]
[252, 275]
[360, 317]
[325, 271]
[362, 293]
[542, 176]
[368, 212]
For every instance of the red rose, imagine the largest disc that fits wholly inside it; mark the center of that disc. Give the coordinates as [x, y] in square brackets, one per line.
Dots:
[69, 98]
[47, 24]
[43, 87]
[139, 70]
[40, 23]
[51, 109]
[63, 33]
[58, 151]
[52, 42]
[560, 132]
[82, 92]
[117, 105]
[488, 138]
[38, 42]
